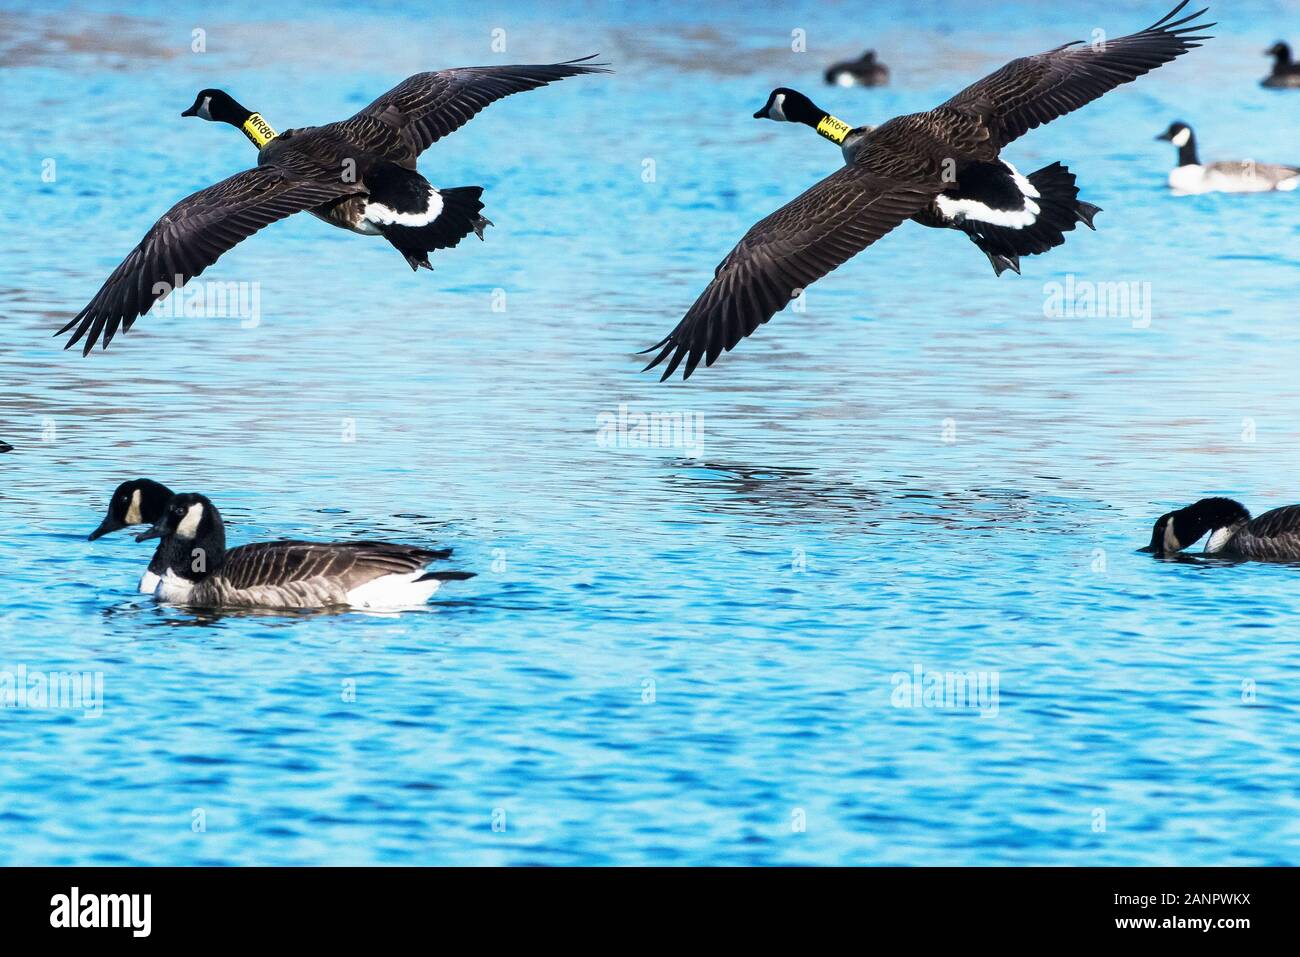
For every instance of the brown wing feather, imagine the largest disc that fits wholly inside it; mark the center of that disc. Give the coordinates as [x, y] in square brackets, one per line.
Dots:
[1034, 90]
[191, 236]
[345, 564]
[428, 106]
[786, 252]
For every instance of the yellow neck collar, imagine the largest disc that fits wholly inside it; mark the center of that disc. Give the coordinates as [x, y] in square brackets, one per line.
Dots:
[258, 130]
[830, 127]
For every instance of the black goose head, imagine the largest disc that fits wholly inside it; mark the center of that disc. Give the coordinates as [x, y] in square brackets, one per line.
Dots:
[1181, 135]
[1281, 54]
[137, 502]
[1177, 530]
[218, 106]
[193, 536]
[790, 106]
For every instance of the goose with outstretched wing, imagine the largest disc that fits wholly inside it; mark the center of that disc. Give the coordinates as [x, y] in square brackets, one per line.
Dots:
[358, 174]
[941, 168]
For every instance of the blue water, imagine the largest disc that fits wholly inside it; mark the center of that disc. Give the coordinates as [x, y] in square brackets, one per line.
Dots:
[670, 655]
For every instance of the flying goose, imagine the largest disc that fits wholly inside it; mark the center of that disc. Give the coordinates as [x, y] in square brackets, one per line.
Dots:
[1003, 213]
[1189, 177]
[199, 571]
[137, 502]
[1286, 74]
[866, 70]
[358, 174]
[940, 165]
[1274, 536]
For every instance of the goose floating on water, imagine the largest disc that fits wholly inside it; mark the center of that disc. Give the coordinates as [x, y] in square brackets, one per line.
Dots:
[1286, 74]
[1190, 178]
[866, 70]
[941, 167]
[137, 502]
[199, 571]
[1274, 536]
[303, 169]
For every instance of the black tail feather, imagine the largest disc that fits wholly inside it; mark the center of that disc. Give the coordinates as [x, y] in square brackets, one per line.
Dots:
[459, 217]
[1060, 210]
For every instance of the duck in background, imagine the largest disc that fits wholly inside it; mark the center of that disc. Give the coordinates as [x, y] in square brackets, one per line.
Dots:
[866, 70]
[1189, 177]
[1285, 75]
[1274, 536]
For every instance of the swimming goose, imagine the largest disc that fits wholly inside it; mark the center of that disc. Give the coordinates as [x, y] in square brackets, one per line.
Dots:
[1285, 75]
[358, 174]
[137, 502]
[864, 71]
[6, 447]
[942, 164]
[199, 571]
[1003, 213]
[1274, 536]
[1189, 177]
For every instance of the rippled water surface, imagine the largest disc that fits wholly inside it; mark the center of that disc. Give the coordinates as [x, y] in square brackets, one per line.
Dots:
[675, 655]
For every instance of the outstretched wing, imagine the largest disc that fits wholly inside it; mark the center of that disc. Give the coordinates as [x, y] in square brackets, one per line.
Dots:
[189, 238]
[785, 253]
[428, 106]
[1033, 90]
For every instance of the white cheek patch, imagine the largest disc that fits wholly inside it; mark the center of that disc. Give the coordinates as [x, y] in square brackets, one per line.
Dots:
[777, 110]
[1181, 137]
[189, 525]
[205, 108]
[133, 513]
[1171, 540]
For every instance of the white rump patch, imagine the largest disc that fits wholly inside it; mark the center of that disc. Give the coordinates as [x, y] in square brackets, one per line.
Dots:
[393, 591]
[148, 582]
[845, 78]
[380, 215]
[960, 209]
[1026, 188]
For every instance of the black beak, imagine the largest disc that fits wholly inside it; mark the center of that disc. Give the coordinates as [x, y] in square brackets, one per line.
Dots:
[761, 114]
[1166, 135]
[154, 532]
[192, 111]
[106, 526]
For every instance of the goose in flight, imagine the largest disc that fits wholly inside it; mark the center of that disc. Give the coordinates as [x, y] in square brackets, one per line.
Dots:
[358, 174]
[941, 167]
